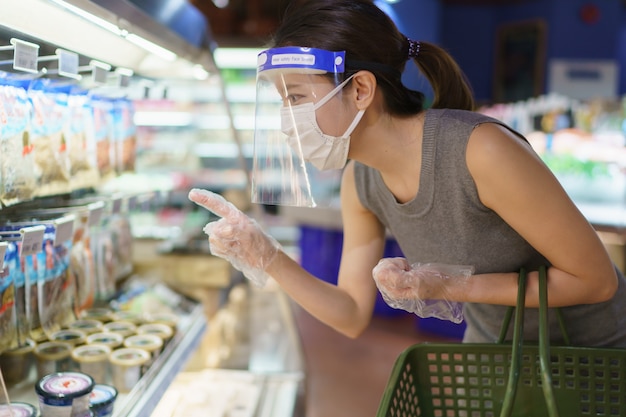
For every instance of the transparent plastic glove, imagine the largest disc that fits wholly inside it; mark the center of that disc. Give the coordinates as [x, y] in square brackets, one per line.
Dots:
[236, 237]
[421, 288]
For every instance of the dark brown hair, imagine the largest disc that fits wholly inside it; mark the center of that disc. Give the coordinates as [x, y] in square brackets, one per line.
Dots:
[373, 42]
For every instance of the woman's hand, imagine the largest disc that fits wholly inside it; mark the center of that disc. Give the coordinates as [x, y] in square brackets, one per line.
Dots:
[236, 237]
[423, 289]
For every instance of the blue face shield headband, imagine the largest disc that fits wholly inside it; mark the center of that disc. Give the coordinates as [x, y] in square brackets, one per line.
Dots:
[307, 60]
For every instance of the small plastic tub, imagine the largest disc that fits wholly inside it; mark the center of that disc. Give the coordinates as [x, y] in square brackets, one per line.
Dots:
[112, 340]
[127, 367]
[132, 316]
[170, 319]
[102, 400]
[125, 328]
[148, 342]
[87, 326]
[52, 357]
[93, 360]
[103, 315]
[18, 409]
[164, 331]
[64, 394]
[17, 363]
[73, 337]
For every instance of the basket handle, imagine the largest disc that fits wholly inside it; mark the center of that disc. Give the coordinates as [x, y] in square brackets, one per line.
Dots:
[544, 344]
[518, 335]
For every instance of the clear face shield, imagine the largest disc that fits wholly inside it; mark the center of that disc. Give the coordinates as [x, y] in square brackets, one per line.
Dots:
[302, 127]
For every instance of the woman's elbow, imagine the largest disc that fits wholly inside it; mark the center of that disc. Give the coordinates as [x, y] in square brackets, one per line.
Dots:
[607, 290]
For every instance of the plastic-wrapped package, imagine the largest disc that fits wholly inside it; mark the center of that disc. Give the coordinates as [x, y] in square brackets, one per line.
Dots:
[49, 148]
[126, 142]
[83, 266]
[81, 146]
[21, 305]
[101, 136]
[18, 182]
[8, 331]
[56, 289]
[104, 254]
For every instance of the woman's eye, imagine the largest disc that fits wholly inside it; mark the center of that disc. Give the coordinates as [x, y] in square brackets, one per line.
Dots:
[293, 98]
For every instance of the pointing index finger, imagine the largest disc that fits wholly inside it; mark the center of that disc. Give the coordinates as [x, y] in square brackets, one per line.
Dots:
[213, 202]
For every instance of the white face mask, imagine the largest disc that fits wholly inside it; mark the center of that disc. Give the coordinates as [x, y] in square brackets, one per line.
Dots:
[305, 136]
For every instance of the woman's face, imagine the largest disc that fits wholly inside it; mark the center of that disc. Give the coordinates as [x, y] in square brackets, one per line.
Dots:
[332, 117]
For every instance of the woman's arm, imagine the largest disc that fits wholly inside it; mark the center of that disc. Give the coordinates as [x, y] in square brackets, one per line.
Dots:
[514, 182]
[348, 306]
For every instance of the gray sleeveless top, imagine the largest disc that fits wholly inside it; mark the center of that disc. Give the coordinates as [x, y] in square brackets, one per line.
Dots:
[447, 223]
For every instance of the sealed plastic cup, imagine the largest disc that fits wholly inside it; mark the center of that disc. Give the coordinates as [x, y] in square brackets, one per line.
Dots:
[17, 363]
[51, 357]
[87, 326]
[18, 409]
[125, 328]
[93, 360]
[127, 367]
[73, 337]
[110, 339]
[102, 400]
[64, 394]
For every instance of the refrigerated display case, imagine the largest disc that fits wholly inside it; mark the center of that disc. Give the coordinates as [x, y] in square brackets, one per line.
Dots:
[119, 50]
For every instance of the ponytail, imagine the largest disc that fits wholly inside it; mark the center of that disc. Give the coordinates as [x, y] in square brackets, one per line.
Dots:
[449, 84]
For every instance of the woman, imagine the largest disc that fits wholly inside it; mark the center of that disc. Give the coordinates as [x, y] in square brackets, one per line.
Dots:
[453, 187]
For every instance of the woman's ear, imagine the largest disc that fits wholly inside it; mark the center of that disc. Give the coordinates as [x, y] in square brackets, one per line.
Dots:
[364, 83]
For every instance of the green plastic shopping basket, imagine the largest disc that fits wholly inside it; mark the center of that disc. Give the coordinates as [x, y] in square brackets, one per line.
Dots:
[505, 380]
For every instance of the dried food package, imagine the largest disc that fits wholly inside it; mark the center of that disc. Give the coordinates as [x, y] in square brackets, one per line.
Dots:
[81, 147]
[125, 141]
[102, 244]
[17, 178]
[32, 274]
[56, 289]
[48, 140]
[102, 134]
[121, 234]
[12, 260]
[8, 332]
[82, 266]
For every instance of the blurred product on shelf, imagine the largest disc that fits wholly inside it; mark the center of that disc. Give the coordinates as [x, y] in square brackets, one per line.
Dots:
[64, 393]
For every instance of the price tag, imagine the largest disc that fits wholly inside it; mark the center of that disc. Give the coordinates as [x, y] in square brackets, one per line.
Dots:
[99, 72]
[25, 55]
[116, 205]
[32, 239]
[95, 213]
[3, 251]
[68, 63]
[63, 229]
[124, 75]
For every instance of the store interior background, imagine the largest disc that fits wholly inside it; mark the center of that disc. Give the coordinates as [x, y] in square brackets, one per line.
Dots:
[194, 134]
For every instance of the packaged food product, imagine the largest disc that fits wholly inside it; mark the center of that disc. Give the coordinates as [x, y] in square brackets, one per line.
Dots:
[110, 339]
[102, 400]
[64, 394]
[73, 337]
[148, 342]
[18, 181]
[127, 367]
[17, 363]
[125, 328]
[93, 360]
[51, 357]
[18, 409]
[164, 331]
[80, 145]
[131, 316]
[87, 326]
[101, 314]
